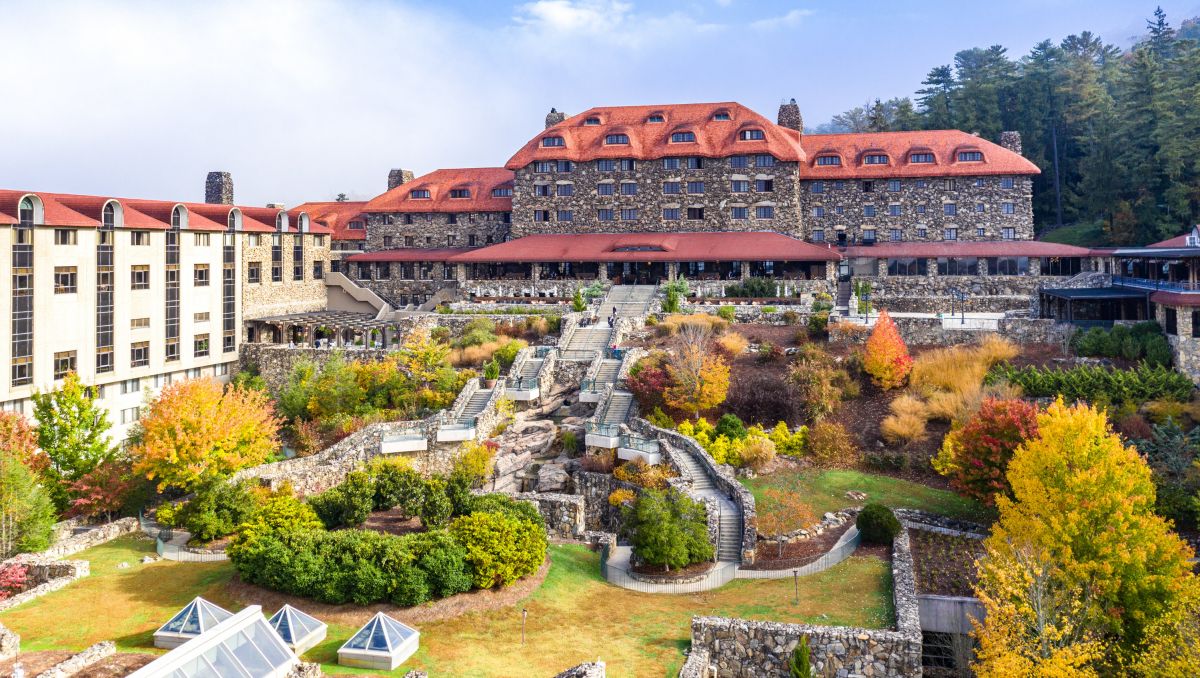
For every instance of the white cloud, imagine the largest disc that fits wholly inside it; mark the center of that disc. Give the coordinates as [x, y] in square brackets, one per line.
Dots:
[608, 22]
[571, 16]
[789, 20]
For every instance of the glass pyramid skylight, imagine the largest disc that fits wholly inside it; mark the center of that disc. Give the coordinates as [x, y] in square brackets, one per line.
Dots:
[381, 634]
[293, 625]
[195, 618]
[241, 646]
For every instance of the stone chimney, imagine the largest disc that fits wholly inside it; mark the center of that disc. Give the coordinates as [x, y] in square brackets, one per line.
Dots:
[398, 177]
[789, 116]
[275, 205]
[218, 188]
[554, 117]
[1012, 141]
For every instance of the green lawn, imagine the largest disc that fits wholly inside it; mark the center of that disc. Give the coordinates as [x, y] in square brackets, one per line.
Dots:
[825, 490]
[573, 617]
[1082, 234]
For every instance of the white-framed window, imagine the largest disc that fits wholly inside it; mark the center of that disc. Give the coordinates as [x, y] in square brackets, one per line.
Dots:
[683, 137]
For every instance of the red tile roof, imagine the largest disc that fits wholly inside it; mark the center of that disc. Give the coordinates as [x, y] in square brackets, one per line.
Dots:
[412, 254]
[604, 247]
[944, 145]
[647, 140]
[480, 181]
[85, 211]
[1178, 241]
[334, 217]
[990, 248]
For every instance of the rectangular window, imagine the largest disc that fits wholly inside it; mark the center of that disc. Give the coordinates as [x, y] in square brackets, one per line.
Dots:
[920, 158]
[364, 271]
[254, 272]
[764, 160]
[541, 190]
[627, 164]
[1008, 265]
[604, 215]
[387, 241]
[950, 209]
[139, 354]
[541, 167]
[670, 214]
[894, 185]
[451, 218]
[201, 239]
[65, 236]
[739, 161]
[451, 240]
[606, 189]
[629, 215]
[139, 323]
[868, 187]
[408, 241]
[764, 212]
[64, 364]
[764, 185]
[200, 317]
[551, 142]
[980, 208]
[739, 213]
[895, 235]
[868, 210]
[1008, 208]
[958, 266]
[131, 386]
[828, 160]
[950, 234]
[564, 190]
[951, 184]
[695, 213]
[606, 165]
[139, 277]
[383, 270]
[200, 345]
[671, 188]
[682, 137]
[817, 187]
[501, 192]
[130, 415]
[695, 187]
[922, 232]
[671, 163]
[565, 166]
[565, 215]
[739, 186]
[541, 216]
[200, 275]
[894, 210]
[695, 163]
[1007, 182]
[907, 266]
[922, 183]
[869, 236]
[66, 279]
[920, 209]
[970, 156]
[818, 211]
[471, 238]
[1008, 233]
[875, 159]
[628, 188]
[818, 235]
[753, 135]
[139, 238]
[618, 139]
[318, 270]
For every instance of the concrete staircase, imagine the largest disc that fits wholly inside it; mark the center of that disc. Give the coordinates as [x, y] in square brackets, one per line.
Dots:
[353, 296]
[844, 292]
[616, 410]
[531, 368]
[629, 300]
[587, 340]
[610, 368]
[474, 406]
[729, 541]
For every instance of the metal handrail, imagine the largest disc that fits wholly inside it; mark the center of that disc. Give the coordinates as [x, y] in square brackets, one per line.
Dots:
[636, 442]
[522, 383]
[1150, 284]
[601, 428]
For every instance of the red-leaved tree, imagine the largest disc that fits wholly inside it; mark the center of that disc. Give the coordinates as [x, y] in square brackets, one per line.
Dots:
[887, 359]
[17, 436]
[975, 457]
[105, 490]
[648, 382]
[12, 580]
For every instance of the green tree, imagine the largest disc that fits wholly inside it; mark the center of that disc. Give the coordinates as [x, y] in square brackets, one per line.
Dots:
[668, 529]
[26, 512]
[72, 431]
[500, 548]
[937, 98]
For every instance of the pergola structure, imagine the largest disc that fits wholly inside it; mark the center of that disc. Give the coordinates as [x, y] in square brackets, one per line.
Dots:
[326, 328]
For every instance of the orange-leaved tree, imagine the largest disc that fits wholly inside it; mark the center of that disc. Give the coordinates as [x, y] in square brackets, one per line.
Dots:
[887, 359]
[699, 380]
[198, 431]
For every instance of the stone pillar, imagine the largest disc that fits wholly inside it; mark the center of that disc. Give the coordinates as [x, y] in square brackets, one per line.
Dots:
[931, 267]
[399, 177]
[1035, 266]
[745, 271]
[218, 188]
[672, 270]
[460, 273]
[535, 271]
[789, 116]
[1011, 140]
[983, 267]
[554, 117]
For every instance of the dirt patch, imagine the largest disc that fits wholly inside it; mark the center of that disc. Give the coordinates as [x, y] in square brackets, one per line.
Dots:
[879, 551]
[119, 665]
[392, 522]
[798, 553]
[657, 570]
[35, 662]
[779, 335]
[944, 564]
[354, 615]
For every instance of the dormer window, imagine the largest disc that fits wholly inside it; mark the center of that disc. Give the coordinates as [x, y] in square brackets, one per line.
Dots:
[279, 221]
[829, 161]
[875, 159]
[970, 156]
[460, 193]
[356, 225]
[109, 216]
[502, 192]
[616, 139]
[552, 142]
[656, 118]
[419, 194]
[921, 158]
[721, 116]
[683, 137]
[591, 121]
[752, 135]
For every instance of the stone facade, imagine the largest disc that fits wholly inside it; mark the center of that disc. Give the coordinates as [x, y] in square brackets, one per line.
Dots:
[932, 293]
[845, 204]
[923, 331]
[79, 542]
[10, 643]
[218, 188]
[717, 199]
[275, 363]
[287, 295]
[563, 513]
[389, 231]
[45, 577]
[399, 177]
[1185, 345]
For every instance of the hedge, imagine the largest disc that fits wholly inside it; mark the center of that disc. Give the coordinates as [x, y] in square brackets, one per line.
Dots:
[1096, 384]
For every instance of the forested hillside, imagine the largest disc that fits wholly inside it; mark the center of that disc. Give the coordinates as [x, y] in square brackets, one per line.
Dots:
[1116, 133]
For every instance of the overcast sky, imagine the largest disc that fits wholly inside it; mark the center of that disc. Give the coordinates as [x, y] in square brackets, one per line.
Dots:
[303, 99]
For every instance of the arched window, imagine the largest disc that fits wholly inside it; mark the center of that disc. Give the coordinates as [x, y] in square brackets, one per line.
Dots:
[232, 220]
[177, 217]
[279, 221]
[109, 216]
[25, 210]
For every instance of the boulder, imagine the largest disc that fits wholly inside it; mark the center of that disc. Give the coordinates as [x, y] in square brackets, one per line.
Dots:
[552, 478]
[855, 495]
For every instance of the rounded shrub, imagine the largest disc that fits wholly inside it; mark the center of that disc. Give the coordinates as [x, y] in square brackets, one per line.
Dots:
[877, 524]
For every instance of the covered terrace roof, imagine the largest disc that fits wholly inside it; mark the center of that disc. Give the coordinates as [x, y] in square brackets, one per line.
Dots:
[1084, 293]
[989, 248]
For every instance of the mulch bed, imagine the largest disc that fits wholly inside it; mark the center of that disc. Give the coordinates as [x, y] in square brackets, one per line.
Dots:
[392, 521]
[880, 551]
[35, 662]
[657, 570]
[119, 665]
[944, 564]
[354, 615]
[798, 553]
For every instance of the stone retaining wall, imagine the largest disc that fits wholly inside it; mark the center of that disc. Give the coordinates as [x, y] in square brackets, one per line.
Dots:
[10, 643]
[929, 332]
[670, 579]
[598, 514]
[780, 314]
[77, 663]
[47, 577]
[585, 670]
[275, 362]
[79, 542]
[563, 513]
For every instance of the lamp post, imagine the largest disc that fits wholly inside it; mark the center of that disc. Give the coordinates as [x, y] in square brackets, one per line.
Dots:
[524, 615]
[796, 582]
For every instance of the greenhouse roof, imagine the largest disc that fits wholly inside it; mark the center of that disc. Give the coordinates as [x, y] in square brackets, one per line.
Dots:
[195, 618]
[381, 634]
[292, 625]
[241, 646]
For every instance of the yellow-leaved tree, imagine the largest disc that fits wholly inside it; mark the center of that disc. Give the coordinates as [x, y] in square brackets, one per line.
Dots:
[1078, 566]
[699, 380]
[198, 431]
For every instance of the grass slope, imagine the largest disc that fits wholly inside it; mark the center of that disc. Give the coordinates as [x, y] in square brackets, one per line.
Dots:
[1082, 234]
[573, 617]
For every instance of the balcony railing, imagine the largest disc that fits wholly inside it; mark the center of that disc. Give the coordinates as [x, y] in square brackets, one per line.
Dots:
[610, 430]
[523, 383]
[1148, 284]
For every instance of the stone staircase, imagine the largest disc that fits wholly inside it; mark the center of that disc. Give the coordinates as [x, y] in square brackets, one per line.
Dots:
[616, 410]
[531, 368]
[844, 292]
[610, 368]
[585, 342]
[474, 406]
[629, 300]
[729, 541]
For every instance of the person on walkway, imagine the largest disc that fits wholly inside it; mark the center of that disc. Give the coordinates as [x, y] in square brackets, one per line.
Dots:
[610, 321]
[614, 311]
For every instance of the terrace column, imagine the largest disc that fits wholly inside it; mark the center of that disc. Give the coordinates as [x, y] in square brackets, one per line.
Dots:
[460, 273]
[535, 272]
[931, 267]
[672, 270]
[745, 271]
